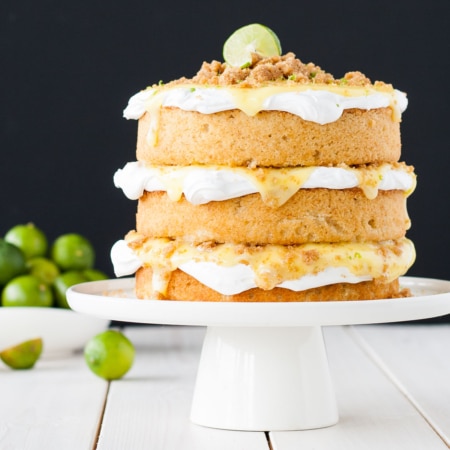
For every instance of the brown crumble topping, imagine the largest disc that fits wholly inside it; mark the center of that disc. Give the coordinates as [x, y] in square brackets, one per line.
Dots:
[262, 71]
[207, 245]
[310, 256]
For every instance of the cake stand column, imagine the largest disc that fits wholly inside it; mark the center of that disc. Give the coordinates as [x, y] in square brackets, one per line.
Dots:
[264, 378]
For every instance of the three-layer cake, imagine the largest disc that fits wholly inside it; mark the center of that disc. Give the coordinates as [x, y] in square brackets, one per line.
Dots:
[271, 182]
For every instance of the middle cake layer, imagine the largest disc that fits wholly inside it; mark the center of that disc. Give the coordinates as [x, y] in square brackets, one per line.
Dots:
[310, 215]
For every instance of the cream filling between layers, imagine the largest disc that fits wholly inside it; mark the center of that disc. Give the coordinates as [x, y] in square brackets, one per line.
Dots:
[316, 103]
[233, 268]
[201, 184]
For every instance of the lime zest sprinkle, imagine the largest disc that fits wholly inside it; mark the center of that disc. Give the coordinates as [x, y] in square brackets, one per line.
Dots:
[355, 255]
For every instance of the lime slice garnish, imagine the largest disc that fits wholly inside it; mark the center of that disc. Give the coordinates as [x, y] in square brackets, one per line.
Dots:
[254, 38]
[23, 355]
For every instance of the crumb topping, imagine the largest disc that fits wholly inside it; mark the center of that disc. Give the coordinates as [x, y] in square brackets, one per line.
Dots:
[277, 69]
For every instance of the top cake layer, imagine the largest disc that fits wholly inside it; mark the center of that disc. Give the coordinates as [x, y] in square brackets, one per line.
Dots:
[277, 113]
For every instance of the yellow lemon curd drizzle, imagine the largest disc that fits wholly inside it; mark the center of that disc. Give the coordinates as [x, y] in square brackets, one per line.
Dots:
[251, 100]
[273, 264]
[277, 185]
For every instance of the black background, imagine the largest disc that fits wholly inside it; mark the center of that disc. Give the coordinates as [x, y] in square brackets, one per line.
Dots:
[68, 69]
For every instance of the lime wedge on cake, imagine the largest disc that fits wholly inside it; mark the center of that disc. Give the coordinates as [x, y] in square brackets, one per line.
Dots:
[254, 38]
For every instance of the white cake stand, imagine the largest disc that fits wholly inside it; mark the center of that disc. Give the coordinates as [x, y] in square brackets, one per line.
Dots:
[263, 365]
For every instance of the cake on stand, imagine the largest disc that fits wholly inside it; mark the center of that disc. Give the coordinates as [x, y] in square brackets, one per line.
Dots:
[263, 365]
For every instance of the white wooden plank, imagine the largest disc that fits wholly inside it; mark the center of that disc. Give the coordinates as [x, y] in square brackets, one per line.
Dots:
[56, 405]
[374, 415]
[417, 358]
[150, 407]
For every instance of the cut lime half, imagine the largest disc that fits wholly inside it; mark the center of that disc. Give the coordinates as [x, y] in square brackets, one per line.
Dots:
[23, 355]
[254, 38]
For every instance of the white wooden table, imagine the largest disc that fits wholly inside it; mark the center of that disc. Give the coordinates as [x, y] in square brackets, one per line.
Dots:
[392, 385]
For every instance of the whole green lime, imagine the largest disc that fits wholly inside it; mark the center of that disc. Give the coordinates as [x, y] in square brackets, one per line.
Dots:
[23, 355]
[30, 239]
[63, 282]
[73, 251]
[27, 290]
[43, 268]
[109, 354]
[12, 261]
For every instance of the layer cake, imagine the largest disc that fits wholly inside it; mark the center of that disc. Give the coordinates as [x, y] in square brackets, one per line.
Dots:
[270, 182]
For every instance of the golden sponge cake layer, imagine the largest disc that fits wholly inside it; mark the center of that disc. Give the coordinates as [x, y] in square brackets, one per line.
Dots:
[184, 287]
[268, 139]
[311, 215]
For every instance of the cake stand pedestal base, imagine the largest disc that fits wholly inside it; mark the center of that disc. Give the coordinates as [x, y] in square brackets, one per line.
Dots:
[263, 365]
[264, 378]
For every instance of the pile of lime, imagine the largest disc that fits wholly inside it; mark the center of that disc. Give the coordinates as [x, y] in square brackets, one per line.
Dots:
[34, 272]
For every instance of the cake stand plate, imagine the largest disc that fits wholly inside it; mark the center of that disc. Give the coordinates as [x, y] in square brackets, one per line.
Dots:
[263, 365]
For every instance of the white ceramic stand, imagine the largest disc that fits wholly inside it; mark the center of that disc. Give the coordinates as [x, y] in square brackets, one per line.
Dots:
[263, 365]
[254, 378]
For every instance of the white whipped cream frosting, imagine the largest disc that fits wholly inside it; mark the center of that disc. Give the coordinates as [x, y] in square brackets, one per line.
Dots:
[124, 260]
[320, 106]
[239, 278]
[231, 280]
[201, 185]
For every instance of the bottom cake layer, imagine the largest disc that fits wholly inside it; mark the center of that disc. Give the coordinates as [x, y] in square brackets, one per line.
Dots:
[184, 287]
